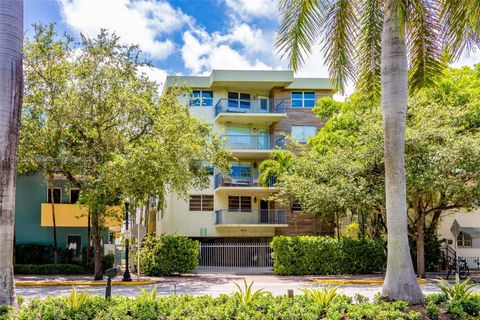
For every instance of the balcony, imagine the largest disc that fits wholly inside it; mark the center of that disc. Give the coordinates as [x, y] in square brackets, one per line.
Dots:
[252, 111]
[253, 146]
[74, 215]
[226, 184]
[255, 217]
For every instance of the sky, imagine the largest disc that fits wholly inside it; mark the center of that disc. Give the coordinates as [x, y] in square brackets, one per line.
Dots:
[185, 37]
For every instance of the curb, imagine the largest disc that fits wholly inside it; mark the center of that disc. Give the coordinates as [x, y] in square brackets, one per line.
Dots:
[81, 283]
[341, 282]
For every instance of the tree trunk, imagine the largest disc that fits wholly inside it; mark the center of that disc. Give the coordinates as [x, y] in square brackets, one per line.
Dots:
[420, 243]
[51, 188]
[97, 247]
[89, 234]
[400, 281]
[11, 90]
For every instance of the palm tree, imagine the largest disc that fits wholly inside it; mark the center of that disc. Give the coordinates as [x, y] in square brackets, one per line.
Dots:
[387, 47]
[11, 90]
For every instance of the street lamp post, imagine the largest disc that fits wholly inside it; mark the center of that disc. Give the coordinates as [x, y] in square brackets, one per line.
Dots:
[126, 275]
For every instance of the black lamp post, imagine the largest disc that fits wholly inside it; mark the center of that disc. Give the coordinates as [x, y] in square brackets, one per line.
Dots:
[126, 275]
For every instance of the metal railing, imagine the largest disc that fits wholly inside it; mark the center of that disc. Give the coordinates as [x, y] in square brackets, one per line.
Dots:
[251, 180]
[235, 256]
[254, 142]
[472, 262]
[253, 216]
[250, 106]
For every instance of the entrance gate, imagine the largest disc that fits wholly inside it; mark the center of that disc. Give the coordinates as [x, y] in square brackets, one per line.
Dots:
[235, 257]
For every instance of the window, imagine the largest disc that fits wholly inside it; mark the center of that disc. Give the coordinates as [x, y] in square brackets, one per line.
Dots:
[57, 195]
[202, 202]
[202, 98]
[74, 195]
[303, 133]
[239, 100]
[239, 204]
[464, 239]
[303, 99]
[241, 171]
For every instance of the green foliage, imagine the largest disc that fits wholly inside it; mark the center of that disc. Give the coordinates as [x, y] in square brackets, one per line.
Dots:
[458, 290]
[32, 253]
[108, 261]
[325, 255]
[146, 306]
[433, 311]
[75, 300]
[168, 254]
[49, 269]
[433, 252]
[464, 306]
[6, 312]
[246, 295]
[323, 297]
[146, 297]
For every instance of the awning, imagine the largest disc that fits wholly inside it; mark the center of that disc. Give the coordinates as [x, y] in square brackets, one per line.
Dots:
[456, 228]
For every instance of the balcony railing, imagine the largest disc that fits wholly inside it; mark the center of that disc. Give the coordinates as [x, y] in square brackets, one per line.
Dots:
[250, 106]
[254, 142]
[254, 217]
[251, 180]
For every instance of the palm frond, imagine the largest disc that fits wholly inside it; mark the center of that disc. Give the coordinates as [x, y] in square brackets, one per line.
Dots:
[339, 32]
[369, 47]
[460, 26]
[299, 30]
[424, 44]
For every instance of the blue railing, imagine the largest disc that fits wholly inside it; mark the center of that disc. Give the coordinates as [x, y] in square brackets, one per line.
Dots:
[253, 216]
[254, 142]
[250, 106]
[251, 180]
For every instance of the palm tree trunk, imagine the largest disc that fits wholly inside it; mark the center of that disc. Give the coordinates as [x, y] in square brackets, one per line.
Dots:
[51, 187]
[400, 281]
[11, 90]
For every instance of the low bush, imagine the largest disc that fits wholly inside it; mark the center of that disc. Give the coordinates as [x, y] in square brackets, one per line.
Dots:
[49, 269]
[326, 255]
[166, 255]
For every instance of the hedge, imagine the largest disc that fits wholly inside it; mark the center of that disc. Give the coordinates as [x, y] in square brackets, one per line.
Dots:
[206, 307]
[168, 254]
[49, 269]
[325, 255]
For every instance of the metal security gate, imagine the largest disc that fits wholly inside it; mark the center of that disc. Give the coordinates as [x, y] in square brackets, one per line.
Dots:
[235, 257]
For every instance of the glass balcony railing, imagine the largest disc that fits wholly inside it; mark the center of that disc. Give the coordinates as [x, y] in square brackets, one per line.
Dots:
[254, 216]
[250, 106]
[251, 180]
[254, 142]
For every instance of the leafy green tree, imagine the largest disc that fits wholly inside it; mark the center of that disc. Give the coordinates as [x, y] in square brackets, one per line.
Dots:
[345, 168]
[11, 91]
[387, 47]
[47, 70]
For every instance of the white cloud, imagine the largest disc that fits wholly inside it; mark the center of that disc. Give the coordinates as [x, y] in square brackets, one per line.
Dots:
[468, 59]
[136, 22]
[247, 9]
[242, 47]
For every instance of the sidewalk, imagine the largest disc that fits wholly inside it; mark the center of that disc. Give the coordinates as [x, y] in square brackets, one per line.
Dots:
[212, 284]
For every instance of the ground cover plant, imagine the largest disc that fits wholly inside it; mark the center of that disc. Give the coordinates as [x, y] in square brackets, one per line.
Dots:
[249, 303]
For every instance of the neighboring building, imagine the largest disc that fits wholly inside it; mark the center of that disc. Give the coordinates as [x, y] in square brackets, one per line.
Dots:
[33, 215]
[253, 111]
[467, 242]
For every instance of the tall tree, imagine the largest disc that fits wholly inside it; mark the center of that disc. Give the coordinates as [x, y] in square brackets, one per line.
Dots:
[47, 68]
[11, 91]
[408, 34]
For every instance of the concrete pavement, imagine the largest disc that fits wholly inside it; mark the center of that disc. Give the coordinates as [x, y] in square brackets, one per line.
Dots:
[213, 284]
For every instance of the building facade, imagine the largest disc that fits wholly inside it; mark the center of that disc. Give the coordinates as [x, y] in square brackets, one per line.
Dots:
[34, 219]
[253, 112]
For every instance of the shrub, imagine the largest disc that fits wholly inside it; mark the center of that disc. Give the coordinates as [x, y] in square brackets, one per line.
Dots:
[166, 255]
[6, 312]
[108, 261]
[433, 253]
[49, 269]
[458, 290]
[326, 255]
[433, 311]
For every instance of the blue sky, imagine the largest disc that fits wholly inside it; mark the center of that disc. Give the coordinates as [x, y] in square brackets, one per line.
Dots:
[184, 36]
